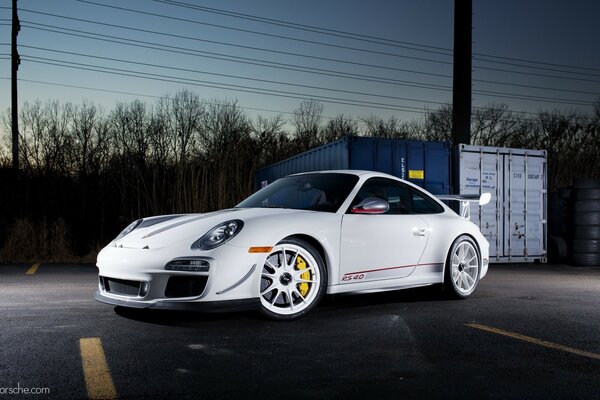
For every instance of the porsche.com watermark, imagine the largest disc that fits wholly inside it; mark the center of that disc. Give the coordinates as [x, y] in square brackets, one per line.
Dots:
[16, 390]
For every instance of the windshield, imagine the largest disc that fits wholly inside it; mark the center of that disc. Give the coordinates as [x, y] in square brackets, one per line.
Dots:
[316, 192]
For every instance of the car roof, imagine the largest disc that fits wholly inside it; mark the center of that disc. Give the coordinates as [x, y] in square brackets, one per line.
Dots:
[357, 172]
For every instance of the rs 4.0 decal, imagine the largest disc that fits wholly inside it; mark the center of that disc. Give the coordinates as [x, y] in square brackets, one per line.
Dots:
[352, 277]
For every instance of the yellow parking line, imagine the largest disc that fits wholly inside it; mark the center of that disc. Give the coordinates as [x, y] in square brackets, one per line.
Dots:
[533, 340]
[98, 381]
[33, 269]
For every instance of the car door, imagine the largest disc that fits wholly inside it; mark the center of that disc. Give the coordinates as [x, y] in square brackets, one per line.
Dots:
[382, 246]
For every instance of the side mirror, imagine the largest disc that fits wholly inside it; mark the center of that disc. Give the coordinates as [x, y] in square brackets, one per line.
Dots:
[371, 205]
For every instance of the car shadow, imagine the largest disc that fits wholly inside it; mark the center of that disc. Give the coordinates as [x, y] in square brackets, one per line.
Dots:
[431, 293]
[178, 318]
[195, 319]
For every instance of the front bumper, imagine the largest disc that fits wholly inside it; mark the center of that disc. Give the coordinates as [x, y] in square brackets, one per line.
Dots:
[138, 278]
[204, 306]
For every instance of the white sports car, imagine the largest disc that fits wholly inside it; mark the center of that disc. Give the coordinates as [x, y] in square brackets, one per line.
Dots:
[284, 247]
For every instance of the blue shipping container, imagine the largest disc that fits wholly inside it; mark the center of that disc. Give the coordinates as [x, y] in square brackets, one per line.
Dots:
[426, 164]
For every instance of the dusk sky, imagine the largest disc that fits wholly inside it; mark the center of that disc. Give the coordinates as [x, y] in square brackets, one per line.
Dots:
[356, 57]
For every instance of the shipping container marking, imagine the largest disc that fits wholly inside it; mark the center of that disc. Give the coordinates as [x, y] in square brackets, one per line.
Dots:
[416, 174]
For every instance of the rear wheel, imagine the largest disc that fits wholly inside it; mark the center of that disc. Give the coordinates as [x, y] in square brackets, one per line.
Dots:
[462, 268]
[293, 280]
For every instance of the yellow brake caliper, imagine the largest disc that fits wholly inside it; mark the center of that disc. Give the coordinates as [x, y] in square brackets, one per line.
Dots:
[303, 287]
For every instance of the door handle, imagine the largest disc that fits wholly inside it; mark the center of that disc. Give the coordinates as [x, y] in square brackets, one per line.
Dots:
[420, 232]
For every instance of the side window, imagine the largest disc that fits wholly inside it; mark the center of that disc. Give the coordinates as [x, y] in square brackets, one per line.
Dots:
[402, 198]
[423, 204]
[391, 191]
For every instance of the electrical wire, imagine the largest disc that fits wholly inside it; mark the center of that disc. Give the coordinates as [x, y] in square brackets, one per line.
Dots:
[402, 83]
[225, 86]
[147, 95]
[173, 68]
[219, 85]
[533, 61]
[287, 53]
[225, 27]
[427, 111]
[244, 60]
[351, 35]
[320, 58]
[310, 28]
[293, 67]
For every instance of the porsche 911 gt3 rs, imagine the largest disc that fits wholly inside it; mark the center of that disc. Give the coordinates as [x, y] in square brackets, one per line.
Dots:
[287, 245]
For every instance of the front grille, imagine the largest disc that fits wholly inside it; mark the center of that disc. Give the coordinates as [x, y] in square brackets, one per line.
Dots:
[120, 286]
[184, 286]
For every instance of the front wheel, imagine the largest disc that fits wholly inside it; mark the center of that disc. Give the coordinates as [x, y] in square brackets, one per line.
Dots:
[293, 280]
[462, 268]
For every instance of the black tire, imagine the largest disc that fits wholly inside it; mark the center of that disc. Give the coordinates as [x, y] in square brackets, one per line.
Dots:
[280, 313]
[586, 245]
[586, 231]
[586, 183]
[588, 218]
[557, 248]
[450, 286]
[564, 193]
[586, 259]
[586, 206]
[587, 194]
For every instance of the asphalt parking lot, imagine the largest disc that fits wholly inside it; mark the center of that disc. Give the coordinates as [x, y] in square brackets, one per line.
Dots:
[529, 332]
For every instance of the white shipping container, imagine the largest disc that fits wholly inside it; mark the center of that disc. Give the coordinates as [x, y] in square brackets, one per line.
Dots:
[514, 222]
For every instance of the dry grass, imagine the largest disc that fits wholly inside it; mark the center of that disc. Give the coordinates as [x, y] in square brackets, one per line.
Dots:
[36, 242]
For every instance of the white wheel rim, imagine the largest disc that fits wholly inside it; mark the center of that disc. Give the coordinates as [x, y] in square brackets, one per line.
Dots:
[465, 267]
[284, 288]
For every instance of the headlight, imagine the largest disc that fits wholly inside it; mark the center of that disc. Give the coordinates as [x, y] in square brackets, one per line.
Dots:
[219, 235]
[129, 228]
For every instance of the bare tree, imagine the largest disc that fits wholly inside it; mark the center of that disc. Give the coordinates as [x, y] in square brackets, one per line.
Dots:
[438, 124]
[307, 122]
[130, 122]
[392, 128]
[181, 116]
[338, 127]
[494, 124]
[44, 140]
[271, 140]
[90, 135]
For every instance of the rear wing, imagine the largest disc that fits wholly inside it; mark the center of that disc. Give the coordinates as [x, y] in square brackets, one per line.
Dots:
[465, 199]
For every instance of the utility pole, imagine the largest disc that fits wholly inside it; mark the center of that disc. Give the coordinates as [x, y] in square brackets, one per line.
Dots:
[461, 94]
[16, 60]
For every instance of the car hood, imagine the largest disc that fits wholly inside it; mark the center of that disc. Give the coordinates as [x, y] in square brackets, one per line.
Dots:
[189, 227]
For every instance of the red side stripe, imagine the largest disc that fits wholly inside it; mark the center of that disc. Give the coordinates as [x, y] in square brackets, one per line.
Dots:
[388, 268]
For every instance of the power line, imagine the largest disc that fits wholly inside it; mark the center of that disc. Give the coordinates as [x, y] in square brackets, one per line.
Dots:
[280, 93]
[533, 61]
[539, 75]
[286, 53]
[311, 28]
[173, 68]
[533, 86]
[537, 98]
[351, 35]
[339, 74]
[317, 57]
[230, 28]
[207, 102]
[147, 95]
[448, 89]
[249, 108]
[531, 66]
[273, 64]
[238, 59]
[222, 86]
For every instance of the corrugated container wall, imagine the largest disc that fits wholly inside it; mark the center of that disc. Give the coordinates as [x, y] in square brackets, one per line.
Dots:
[426, 164]
[515, 220]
